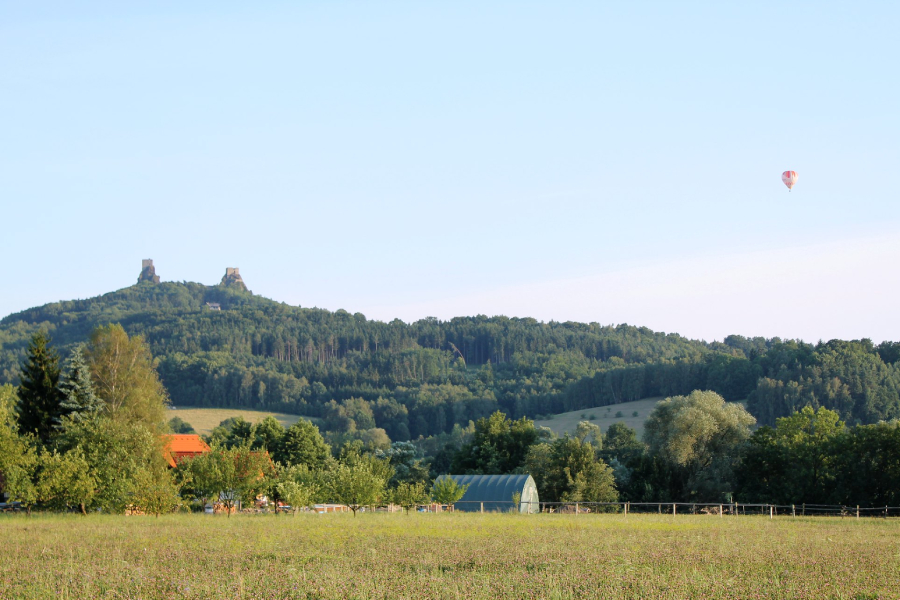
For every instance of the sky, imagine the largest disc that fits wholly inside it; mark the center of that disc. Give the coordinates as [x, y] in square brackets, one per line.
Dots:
[587, 161]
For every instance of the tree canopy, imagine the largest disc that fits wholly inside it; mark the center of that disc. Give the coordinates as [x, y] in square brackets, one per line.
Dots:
[384, 382]
[700, 437]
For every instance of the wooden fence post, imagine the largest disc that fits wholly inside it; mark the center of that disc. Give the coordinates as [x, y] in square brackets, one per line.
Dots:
[576, 508]
[857, 511]
[673, 509]
[625, 504]
[804, 509]
[771, 512]
[482, 507]
[793, 511]
[721, 510]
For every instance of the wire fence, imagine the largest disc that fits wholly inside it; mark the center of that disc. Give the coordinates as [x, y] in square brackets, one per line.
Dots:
[673, 508]
[732, 509]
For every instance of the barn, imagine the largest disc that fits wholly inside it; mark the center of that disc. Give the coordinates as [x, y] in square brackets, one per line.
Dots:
[495, 493]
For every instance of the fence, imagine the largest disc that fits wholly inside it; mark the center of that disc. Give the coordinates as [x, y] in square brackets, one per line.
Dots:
[681, 508]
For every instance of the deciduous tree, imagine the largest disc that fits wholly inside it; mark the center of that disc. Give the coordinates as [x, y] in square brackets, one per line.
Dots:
[498, 446]
[65, 480]
[447, 491]
[302, 444]
[700, 437]
[125, 377]
[409, 495]
[358, 481]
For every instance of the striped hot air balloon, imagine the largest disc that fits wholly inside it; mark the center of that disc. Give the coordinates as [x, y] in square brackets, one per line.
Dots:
[789, 178]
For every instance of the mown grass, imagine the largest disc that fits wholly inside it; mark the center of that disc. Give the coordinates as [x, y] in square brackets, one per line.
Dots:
[604, 416]
[203, 420]
[447, 556]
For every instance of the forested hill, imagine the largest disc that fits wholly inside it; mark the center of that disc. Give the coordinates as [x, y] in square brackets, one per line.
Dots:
[424, 377]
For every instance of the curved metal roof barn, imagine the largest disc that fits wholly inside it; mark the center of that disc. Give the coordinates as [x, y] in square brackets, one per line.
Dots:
[495, 493]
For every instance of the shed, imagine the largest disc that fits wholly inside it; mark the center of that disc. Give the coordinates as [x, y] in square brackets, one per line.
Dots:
[495, 493]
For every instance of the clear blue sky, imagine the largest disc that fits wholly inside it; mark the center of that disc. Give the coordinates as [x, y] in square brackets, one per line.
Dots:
[609, 162]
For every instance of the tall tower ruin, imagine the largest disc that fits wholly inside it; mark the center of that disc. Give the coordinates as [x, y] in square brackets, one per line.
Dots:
[148, 271]
[233, 279]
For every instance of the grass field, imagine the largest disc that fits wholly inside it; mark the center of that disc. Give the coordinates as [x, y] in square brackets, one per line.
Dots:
[205, 419]
[567, 422]
[448, 556]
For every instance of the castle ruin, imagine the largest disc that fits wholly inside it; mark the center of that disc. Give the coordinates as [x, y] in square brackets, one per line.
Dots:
[148, 271]
[233, 279]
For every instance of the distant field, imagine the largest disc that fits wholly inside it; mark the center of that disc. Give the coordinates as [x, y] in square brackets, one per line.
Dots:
[567, 422]
[205, 419]
[448, 555]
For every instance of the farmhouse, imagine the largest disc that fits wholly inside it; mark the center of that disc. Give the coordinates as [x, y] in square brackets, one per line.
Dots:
[180, 446]
[497, 493]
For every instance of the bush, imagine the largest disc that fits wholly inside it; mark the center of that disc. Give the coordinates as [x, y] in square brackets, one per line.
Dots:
[619, 415]
[593, 417]
[635, 414]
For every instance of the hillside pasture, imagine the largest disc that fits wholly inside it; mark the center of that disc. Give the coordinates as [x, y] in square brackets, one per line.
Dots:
[449, 555]
[203, 420]
[605, 416]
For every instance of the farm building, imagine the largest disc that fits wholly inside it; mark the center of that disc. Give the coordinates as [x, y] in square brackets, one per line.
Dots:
[496, 493]
[180, 446]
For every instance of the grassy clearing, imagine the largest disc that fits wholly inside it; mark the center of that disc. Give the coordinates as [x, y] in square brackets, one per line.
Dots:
[205, 419]
[605, 416]
[448, 556]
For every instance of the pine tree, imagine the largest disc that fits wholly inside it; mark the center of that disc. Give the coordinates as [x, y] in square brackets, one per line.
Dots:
[39, 394]
[79, 399]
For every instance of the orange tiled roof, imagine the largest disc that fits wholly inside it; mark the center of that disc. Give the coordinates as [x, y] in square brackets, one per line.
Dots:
[180, 446]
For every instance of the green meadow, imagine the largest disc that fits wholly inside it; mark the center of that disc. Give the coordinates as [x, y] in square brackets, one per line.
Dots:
[446, 555]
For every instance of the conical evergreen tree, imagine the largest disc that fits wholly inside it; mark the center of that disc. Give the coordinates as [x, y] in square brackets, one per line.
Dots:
[39, 394]
[79, 400]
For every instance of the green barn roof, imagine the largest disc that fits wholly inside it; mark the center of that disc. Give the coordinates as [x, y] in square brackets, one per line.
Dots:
[495, 492]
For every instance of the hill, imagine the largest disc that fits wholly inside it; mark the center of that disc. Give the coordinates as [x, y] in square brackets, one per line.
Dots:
[422, 378]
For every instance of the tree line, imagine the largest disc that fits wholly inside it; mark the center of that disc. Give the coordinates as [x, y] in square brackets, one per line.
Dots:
[89, 434]
[362, 379]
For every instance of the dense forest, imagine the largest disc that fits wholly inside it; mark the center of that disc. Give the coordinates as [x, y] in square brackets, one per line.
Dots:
[422, 378]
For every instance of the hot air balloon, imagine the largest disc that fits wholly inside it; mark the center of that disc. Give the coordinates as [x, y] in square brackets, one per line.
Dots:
[789, 178]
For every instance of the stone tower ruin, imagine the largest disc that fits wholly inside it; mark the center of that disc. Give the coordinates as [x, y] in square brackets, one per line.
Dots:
[148, 271]
[233, 279]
